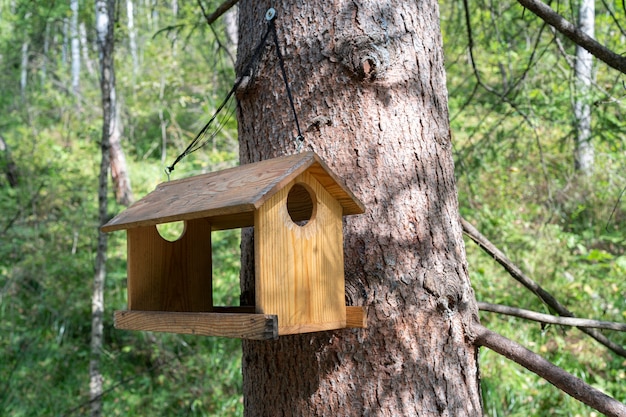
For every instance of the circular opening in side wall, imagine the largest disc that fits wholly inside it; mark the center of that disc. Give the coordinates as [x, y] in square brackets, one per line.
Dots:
[171, 231]
[301, 204]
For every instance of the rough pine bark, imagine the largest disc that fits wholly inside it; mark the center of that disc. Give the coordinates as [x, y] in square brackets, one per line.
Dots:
[369, 87]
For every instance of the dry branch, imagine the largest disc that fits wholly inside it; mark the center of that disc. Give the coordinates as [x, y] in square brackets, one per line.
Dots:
[558, 377]
[543, 295]
[568, 29]
[221, 9]
[550, 319]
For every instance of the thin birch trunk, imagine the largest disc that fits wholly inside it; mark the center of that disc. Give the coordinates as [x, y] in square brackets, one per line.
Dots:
[24, 69]
[75, 47]
[24, 61]
[582, 107]
[132, 35]
[104, 31]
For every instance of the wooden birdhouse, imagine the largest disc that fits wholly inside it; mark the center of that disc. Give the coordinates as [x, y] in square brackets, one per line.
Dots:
[295, 204]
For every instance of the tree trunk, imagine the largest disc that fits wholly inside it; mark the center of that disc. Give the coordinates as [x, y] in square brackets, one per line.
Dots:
[230, 26]
[24, 69]
[43, 73]
[369, 88]
[75, 47]
[582, 106]
[104, 31]
[24, 64]
[119, 170]
[132, 35]
[8, 165]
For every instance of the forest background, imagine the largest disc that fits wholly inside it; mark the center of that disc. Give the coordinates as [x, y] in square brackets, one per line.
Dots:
[512, 113]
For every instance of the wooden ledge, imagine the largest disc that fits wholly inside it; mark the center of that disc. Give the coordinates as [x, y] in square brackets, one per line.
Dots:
[236, 325]
[235, 322]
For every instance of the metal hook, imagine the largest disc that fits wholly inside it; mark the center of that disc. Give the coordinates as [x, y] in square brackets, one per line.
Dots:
[300, 143]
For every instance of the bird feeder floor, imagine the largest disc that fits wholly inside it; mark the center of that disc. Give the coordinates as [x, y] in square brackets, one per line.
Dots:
[234, 322]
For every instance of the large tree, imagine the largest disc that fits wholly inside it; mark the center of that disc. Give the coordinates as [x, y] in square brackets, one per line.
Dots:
[369, 88]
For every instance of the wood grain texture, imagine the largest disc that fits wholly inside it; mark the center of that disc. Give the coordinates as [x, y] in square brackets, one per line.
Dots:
[356, 317]
[299, 269]
[230, 196]
[170, 276]
[244, 326]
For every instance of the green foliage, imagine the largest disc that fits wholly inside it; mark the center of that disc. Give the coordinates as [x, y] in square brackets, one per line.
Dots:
[513, 141]
[48, 223]
[514, 162]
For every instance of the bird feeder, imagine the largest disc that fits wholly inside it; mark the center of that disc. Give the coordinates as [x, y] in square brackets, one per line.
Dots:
[295, 204]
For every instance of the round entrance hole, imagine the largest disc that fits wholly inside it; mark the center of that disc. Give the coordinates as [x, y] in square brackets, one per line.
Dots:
[171, 231]
[300, 204]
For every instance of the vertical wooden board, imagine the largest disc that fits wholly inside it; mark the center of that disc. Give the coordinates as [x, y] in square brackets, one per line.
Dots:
[330, 298]
[299, 269]
[198, 267]
[272, 258]
[170, 276]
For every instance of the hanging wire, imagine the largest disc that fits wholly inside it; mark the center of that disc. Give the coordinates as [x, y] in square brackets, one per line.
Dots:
[205, 135]
[281, 63]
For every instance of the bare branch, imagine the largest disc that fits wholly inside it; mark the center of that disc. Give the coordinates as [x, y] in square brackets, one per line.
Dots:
[221, 9]
[543, 295]
[615, 19]
[558, 377]
[504, 94]
[579, 37]
[550, 319]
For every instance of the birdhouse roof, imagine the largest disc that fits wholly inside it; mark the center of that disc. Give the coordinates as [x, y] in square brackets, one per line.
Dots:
[230, 196]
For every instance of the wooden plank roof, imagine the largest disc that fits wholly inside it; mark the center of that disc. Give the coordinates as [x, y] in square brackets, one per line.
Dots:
[230, 196]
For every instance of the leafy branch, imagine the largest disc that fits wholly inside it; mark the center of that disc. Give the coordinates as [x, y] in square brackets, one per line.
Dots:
[558, 377]
[576, 35]
[533, 286]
